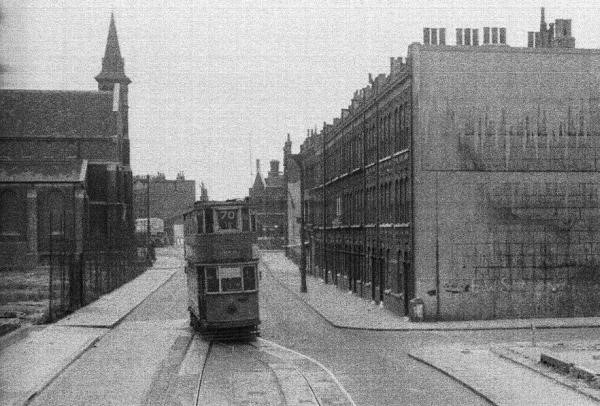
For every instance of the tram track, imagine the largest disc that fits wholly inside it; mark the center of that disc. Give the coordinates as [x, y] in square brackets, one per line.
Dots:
[264, 373]
[202, 373]
[286, 395]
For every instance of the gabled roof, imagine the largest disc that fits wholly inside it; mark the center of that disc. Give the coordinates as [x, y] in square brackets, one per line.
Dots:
[73, 171]
[258, 183]
[47, 113]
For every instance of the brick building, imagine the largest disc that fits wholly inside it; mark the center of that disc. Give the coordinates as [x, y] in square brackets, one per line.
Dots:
[64, 167]
[291, 175]
[169, 198]
[467, 177]
[268, 201]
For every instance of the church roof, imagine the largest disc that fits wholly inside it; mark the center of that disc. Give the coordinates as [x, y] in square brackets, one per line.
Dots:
[73, 171]
[47, 113]
[113, 65]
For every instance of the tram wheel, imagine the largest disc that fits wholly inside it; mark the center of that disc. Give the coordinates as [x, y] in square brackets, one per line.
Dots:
[194, 322]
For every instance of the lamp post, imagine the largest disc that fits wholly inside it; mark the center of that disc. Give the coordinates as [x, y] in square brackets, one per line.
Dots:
[148, 253]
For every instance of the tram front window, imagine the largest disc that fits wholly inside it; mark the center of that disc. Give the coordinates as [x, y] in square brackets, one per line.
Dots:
[231, 279]
[212, 282]
[249, 278]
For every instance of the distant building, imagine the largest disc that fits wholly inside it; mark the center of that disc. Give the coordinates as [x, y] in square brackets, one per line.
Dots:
[65, 180]
[269, 204]
[468, 177]
[291, 175]
[169, 199]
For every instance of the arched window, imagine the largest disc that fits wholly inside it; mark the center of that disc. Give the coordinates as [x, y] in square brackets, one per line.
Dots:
[12, 214]
[55, 213]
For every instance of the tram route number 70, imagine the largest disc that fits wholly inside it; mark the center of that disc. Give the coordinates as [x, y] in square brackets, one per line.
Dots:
[227, 219]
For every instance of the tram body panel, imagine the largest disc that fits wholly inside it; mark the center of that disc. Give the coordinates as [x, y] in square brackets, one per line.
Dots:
[232, 309]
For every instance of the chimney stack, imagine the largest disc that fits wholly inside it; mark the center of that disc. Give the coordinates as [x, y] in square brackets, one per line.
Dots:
[467, 37]
[434, 36]
[426, 36]
[495, 35]
[459, 36]
[442, 36]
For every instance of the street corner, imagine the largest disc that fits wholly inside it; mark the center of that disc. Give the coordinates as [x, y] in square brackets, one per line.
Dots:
[506, 374]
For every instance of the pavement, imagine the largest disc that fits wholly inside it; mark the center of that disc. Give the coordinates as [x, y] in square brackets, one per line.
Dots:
[504, 374]
[345, 310]
[500, 380]
[32, 357]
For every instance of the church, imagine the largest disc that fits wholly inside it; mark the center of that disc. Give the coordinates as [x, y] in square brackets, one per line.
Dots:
[65, 176]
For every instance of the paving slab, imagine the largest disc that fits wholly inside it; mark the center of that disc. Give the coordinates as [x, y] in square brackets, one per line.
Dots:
[344, 310]
[30, 364]
[111, 308]
[498, 380]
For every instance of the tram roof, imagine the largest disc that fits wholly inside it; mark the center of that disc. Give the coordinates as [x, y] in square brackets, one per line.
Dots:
[220, 203]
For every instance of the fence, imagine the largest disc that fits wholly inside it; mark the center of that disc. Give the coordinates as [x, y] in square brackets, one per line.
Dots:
[64, 280]
[75, 280]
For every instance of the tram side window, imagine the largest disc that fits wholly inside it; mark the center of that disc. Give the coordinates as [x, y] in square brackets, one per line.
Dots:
[249, 278]
[208, 221]
[231, 279]
[212, 282]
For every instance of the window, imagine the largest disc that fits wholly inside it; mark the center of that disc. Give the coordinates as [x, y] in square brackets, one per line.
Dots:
[199, 226]
[12, 214]
[231, 279]
[208, 221]
[245, 219]
[212, 282]
[249, 278]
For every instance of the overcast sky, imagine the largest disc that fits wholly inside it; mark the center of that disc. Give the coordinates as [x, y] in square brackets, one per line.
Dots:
[219, 84]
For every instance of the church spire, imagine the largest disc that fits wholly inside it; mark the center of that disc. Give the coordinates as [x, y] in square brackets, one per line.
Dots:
[113, 65]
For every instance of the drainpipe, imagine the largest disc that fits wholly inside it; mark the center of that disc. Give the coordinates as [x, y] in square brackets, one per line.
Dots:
[326, 277]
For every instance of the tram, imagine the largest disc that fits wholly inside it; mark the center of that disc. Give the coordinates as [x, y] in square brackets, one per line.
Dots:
[221, 265]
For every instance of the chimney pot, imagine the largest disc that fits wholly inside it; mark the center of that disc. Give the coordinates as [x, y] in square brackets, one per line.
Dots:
[494, 35]
[503, 35]
[475, 36]
[426, 34]
[434, 36]
[442, 36]
[459, 36]
[467, 36]
[486, 35]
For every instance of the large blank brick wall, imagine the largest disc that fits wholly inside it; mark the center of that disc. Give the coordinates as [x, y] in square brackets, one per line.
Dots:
[507, 199]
